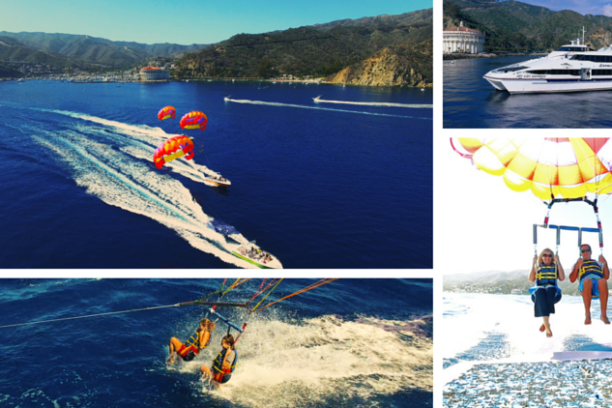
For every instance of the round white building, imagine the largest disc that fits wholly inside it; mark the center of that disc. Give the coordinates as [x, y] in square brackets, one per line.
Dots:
[153, 74]
[463, 39]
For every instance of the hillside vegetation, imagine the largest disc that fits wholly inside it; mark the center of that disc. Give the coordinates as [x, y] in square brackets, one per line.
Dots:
[512, 26]
[501, 283]
[318, 51]
[90, 51]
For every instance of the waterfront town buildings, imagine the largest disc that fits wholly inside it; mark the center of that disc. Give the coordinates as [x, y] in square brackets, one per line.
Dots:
[463, 39]
[154, 74]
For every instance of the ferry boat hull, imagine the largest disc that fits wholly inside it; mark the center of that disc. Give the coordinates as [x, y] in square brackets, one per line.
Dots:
[574, 67]
[523, 86]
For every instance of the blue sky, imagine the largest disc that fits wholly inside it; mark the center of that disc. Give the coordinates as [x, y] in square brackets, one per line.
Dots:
[186, 21]
[581, 6]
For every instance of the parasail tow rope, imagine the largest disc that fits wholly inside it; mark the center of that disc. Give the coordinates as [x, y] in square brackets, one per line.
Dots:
[310, 287]
[268, 294]
[235, 284]
[201, 302]
[194, 302]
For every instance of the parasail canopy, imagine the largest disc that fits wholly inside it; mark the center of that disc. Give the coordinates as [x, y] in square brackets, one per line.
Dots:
[166, 113]
[549, 167]
[172, 149]
[194, 120]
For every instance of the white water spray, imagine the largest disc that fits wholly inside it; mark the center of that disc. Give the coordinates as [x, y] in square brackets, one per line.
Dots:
[323, 360]
[290, 105]
[129, 184]
[382, 104]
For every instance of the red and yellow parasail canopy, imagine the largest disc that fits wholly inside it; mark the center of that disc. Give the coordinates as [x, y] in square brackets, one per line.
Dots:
[549, 167]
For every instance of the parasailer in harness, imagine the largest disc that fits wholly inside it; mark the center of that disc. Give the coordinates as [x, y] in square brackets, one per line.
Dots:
[545, 272]
[593, 278]
[198, 341]
[224, 364]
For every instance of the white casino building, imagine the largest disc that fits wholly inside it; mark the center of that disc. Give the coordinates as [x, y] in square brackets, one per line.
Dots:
[153, 74]
[463, 39]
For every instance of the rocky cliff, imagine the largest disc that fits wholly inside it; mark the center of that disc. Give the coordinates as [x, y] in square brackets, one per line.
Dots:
[401, 66]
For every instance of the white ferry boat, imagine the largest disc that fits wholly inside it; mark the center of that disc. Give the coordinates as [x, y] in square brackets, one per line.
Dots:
[572, 68]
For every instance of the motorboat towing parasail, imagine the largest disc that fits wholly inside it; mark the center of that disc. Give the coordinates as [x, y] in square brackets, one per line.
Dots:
[254, 255]
[247, 251]
[218, 181]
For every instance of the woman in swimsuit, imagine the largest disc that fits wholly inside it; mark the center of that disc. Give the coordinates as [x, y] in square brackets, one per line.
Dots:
[198, 341]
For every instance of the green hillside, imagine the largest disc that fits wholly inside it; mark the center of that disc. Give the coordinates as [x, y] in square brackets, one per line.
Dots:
[513, 26]
[315, 50]
[13, 50]
[98, 51]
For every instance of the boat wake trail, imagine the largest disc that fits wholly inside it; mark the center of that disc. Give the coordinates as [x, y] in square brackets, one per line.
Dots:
[290, 105]
[145, 140]
[383, 104]
[106, 162]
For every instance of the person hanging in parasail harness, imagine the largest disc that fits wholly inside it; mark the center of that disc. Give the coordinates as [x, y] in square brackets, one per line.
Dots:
[593, 278]
[545, 272]
[192, 347]
[224, 364]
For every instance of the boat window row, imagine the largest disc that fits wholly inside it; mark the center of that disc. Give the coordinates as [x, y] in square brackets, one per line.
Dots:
[555, 72]
[511, 69]
[602, 72]
[593, 58]
[572, 49]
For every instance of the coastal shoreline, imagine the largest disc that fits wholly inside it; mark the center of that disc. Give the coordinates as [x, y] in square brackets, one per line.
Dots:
[451, 57]
[272, 81]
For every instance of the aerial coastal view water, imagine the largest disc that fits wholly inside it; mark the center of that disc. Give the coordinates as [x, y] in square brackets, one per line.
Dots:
[348, 343]
[315, 184]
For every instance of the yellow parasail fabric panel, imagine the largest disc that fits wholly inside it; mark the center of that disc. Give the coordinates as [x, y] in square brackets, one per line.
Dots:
[488, 161]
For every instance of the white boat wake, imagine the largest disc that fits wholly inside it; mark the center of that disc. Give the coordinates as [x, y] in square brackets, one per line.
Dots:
[290, 105]
[382, 104]
[150, 138]
[106, 161]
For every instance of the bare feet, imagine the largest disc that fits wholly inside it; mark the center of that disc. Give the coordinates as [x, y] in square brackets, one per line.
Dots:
[542, 328]
[170, 360]
[548, 333]
[604, 319]
[587, 321]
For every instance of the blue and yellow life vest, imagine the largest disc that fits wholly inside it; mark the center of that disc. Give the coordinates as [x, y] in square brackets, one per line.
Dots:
[546, 275]
[590, 267]
[194, 340]
[218, 365]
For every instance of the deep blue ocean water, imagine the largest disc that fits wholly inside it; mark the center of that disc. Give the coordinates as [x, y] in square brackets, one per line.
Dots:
[350, 343]
[338, 186]
[471, 102]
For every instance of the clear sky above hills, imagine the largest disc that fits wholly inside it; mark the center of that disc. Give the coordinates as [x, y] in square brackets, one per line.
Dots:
[596, 7]
[185, 21]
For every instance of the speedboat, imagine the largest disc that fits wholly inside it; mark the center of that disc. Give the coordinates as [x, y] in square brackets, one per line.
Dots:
[218, 181]
[254, 255]
[226, 99]
[574, 67]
